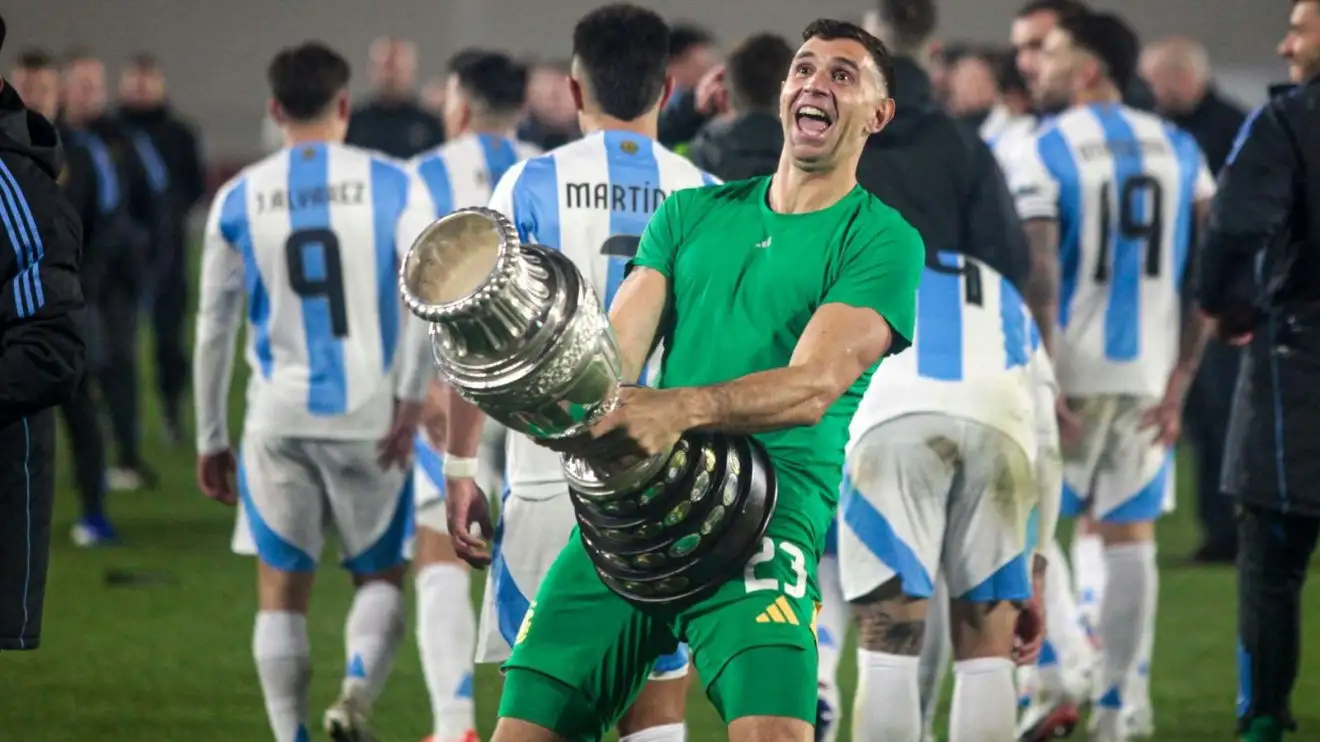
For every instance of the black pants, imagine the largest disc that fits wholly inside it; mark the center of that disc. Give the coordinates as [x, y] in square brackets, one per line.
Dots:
[169, 305]
[87, 443]
[1208, 406]
[118, 312]
[27, 493]
[1274, 551]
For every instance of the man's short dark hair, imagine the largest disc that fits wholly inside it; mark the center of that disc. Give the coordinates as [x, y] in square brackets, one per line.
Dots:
[623, 50]
[4, 31]
[1061, 8]
[305, 79]
[1008, 77]
[145, 61]
[76, 54]
[756, 70]
[684, 37]
[492, 78]
[36, 59]
[462, 57]
[1110, 39]
[911, 23]
[829, 30]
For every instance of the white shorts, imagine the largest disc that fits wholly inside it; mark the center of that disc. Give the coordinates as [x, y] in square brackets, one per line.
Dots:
[528, 539]
[1048, 460]
[1116, 472]
[292, 490]
[927, 493]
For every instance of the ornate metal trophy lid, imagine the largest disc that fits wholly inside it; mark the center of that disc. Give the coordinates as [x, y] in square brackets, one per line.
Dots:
[459, 263]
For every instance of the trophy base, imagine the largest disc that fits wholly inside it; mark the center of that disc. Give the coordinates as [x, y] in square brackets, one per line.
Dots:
[688, 531]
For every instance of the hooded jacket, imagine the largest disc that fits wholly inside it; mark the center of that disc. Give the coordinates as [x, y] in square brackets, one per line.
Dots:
[745, 146]
[944, 180]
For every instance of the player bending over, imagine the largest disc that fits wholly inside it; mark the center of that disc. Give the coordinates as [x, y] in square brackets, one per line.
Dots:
[618, 80]
[313, 235]
[484, 97]
[775, 298]
[1116, 193]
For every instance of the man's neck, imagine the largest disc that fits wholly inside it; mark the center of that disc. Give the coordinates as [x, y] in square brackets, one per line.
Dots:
[1106, 93]
[501, 127]
[295, 135]
[648, 125]
[78, 124]
[797, 191]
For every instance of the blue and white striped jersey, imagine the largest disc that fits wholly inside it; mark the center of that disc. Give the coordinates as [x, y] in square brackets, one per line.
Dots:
[1006, 133]
[971, 356]
[591, 199]
[1123, 185]
[463, 171]
[312, 237]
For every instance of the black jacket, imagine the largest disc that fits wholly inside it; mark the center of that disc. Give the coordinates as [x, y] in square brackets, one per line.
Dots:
[679, 119]
[41, 350]
[175, 142]
[1268, 209]
[401, 130]
[1215, 123]
[944, 180]
[745, 146]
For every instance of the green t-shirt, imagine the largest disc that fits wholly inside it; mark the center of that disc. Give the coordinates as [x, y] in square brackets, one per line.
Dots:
[745, 281]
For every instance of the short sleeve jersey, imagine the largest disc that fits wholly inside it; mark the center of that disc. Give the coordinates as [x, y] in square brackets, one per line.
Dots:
[745, 281]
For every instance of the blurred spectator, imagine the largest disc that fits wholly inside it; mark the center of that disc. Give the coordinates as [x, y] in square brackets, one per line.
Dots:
[692, 59]
[551, 113]
[1011, 119]
[37, 82]
[433, 96]
[1037, 18]
[747, 142]
[168, 146]
[1178, 70]
[971, 88]
[942, 61]
[393, 122]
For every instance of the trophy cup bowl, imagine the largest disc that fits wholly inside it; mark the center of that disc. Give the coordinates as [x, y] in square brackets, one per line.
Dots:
[517, 331]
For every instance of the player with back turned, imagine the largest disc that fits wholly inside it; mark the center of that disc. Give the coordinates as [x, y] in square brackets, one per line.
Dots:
[803, 281]
[1116, 194]
[591, 199]
[313, 236]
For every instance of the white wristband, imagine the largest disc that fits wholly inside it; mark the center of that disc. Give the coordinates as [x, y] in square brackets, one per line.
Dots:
[457, 467]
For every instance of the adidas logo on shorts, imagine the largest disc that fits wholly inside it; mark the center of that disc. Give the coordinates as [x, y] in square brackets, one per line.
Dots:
[780, 611]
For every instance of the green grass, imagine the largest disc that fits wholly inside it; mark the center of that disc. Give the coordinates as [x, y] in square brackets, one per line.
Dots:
[172, 660]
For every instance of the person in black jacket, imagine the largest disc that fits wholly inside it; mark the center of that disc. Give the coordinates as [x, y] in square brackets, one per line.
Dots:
[393, 122]
[128, 217]
[1260, 278]
[36, 78]
[41, 354]
[748, 139]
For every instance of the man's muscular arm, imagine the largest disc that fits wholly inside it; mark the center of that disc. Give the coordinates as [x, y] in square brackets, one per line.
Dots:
[838, 345]
[638, 309]
[1042, 289]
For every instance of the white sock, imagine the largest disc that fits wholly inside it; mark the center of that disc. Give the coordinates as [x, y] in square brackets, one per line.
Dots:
[446, 639]
[284, 667]
[1138, 689]
[936, 653]
[832, 633]
[1125, 617]
[984, 701]
[372, 635]
[663, 733]
[1067, 655]
[888, 703]
[1088, 563]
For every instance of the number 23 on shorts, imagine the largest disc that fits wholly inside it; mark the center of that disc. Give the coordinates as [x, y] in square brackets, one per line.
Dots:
[767, 561]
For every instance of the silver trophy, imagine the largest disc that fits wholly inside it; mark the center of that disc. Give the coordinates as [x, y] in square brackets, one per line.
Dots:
[518, 332]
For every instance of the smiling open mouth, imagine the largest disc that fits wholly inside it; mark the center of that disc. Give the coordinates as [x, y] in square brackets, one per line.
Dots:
[813, 121]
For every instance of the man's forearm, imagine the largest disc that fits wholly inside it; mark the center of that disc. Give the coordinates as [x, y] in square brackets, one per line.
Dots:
[635, 316]
[1042, 289]
[1192, 337]
[213, 366]
[466, 420]
[769, 400]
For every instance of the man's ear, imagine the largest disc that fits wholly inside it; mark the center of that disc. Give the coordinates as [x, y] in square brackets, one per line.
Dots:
[884, 113]
[275, 111]
[668, 91]
[575, 88]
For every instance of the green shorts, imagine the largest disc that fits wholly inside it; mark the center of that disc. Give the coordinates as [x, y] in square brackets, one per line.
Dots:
[583, 653]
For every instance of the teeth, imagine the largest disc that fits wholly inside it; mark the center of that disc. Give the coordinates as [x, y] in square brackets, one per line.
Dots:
[812, 111]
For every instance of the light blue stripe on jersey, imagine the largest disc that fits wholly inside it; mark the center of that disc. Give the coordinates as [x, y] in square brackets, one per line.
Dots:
[536, 202]
[1122, 311]
[1058, 158]
[706, 179]
[327, 384]
[632, 166]
[237, 231]
[1013, 316]
[1189, 169]
[389, 197]
[940, 322]
[107, 176]
[25, 239]
[500, 155]
[435, 174]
